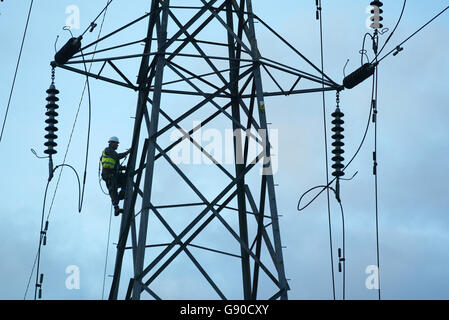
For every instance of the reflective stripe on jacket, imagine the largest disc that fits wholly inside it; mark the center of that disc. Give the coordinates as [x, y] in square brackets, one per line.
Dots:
[108, 162]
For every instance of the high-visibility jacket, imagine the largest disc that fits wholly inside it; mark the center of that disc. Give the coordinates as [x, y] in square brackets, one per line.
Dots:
[108, 162]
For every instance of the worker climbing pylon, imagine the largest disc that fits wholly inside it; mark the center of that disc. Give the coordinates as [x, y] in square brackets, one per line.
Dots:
[112, 173]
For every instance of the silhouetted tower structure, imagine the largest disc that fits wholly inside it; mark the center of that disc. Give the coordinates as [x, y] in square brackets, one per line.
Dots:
[208, 54]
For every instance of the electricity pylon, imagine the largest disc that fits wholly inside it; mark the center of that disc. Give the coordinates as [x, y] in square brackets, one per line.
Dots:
[218, 36]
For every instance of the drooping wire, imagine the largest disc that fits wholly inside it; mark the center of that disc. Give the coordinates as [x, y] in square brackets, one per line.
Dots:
[81, 196]
[343, 259]
[327, 187]
[316, 187]
[66, 28]
[344, 68]
[320, 18]
[42, 233]
[375, 119]
[81, 199]
[99, 182]
[392, 32]
[363, 52]
[37, 156]
[40, 242]
[350, 161]
[88, 135]
[86, 85]
[17, 68]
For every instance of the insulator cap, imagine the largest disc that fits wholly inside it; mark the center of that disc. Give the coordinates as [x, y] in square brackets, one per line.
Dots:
[337, 129]
[51, 136]
[373, 11]
[376, 26]
[51, 121]
[376, 3]
[376, 19]
[338, 151]
[52, 90]
[337, 158]
[338, 121]
[50, 144]
[338, 136]
[51, 128]
[50, 151]
[51, 113]
[338, 143]
[338, 114]
[52, 105]
[52, 98]
[338, 173]
[338, 167]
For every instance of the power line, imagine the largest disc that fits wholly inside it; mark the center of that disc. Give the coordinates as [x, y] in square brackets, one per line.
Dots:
[363, 52]
[40, 240]
[107, 253]
[375, 179]
[373, 111]
[17, 68]
[320, 18]
[413, 34]
[92, 24]
[31, 275]
[343, 258]
[42, 234]
[394, 29]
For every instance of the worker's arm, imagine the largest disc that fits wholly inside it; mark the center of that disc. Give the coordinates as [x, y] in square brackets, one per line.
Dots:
[123, 154]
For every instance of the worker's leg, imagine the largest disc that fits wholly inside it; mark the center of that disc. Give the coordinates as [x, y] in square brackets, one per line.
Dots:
[111, 183]
[121, 183]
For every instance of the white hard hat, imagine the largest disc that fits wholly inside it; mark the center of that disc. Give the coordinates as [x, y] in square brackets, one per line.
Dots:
[114, 139]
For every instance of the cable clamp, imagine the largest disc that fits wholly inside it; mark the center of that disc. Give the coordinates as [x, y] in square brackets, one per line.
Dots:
[340, 260]
[374, 163]
[93, 25]
[318, 9]
[39, 285]
[398, 49]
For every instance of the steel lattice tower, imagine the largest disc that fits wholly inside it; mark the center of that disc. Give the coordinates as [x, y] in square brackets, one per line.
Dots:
[231, 92]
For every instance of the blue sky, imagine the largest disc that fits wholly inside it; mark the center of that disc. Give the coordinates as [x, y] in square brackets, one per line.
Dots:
[413, 154]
